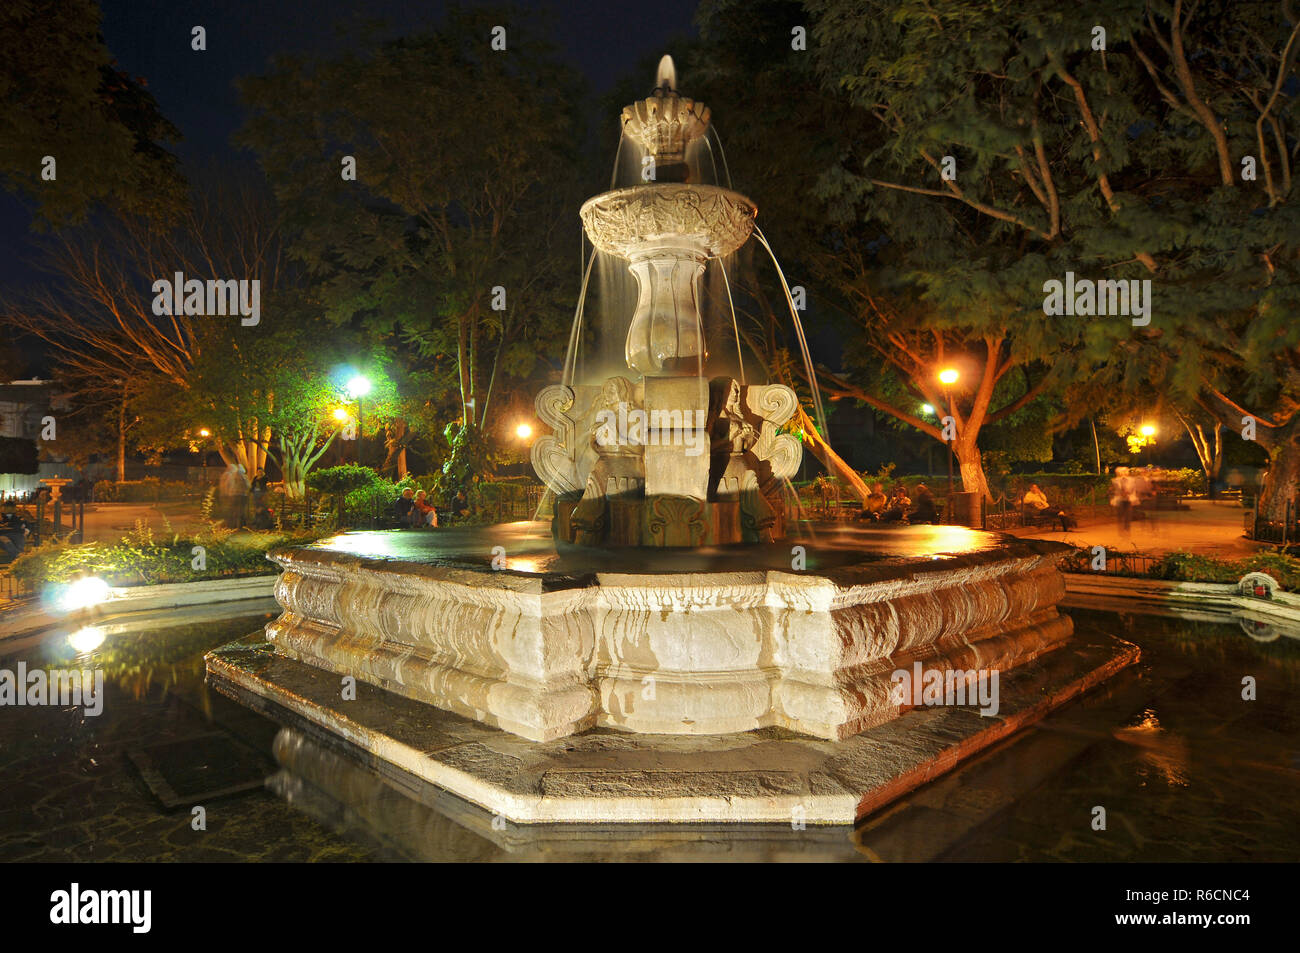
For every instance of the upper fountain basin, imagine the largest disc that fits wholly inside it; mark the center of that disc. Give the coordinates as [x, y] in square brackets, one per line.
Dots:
[703, 219]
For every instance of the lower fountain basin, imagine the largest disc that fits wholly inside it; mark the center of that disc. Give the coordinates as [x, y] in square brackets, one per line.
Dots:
[805, 635]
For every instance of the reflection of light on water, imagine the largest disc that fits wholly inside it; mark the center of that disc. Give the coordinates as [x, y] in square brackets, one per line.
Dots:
[952, 539]
[528, 564]
[87, 640]
[82, 594]
[369, 543]
[1164, 752]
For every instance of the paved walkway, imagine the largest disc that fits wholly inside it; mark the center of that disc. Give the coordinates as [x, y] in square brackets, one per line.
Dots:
[1208, 527]
[109, 522]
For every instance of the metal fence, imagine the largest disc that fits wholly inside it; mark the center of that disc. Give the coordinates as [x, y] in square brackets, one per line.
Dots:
[1126, 564]
[1285, 532]
[491, 502]
[11, 587]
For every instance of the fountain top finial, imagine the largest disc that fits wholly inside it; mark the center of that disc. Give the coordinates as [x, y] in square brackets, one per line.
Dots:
[665, 123]
[667, 76]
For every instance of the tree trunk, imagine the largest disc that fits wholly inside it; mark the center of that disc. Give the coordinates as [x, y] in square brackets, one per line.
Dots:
[1216, 461]
[833, 462]
[121, 441]
[395, 441]
[1283, 472]
[972, 468]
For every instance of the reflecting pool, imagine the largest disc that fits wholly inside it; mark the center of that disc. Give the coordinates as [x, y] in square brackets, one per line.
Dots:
[1184, 767]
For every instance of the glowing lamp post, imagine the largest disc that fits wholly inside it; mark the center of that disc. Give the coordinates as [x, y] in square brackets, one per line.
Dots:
[948, 377]
[1146, 435]
[357, 388]
[524, 432]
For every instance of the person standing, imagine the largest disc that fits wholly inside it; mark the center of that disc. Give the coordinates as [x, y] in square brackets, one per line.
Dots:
[234, 495]
[1123, 494]
[257, 491]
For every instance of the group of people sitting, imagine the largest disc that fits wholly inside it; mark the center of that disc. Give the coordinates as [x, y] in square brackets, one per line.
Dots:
[414, 509]
[893, 508]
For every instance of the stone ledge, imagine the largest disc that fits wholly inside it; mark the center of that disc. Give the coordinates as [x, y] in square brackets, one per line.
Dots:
[605, 776]
[32, 615]
[1211, 601]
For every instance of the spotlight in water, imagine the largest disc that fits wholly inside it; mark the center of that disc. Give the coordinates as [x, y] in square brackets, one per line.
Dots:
[83, 594]
[86, 640]
[523, 431]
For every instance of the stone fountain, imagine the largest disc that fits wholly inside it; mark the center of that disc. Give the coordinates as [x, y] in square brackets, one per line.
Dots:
[669, 457]
[668, 648]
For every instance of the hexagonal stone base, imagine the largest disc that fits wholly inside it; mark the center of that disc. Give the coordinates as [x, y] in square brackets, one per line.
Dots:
[608, 776]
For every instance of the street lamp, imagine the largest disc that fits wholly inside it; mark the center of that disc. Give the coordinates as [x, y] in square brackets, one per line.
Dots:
[948, 377]
[341, 417]
[928, 410]
[1146, 434]
[523, 431]
[357, 387]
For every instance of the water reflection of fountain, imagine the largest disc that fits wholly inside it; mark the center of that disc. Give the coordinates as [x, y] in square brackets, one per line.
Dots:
[411, 819]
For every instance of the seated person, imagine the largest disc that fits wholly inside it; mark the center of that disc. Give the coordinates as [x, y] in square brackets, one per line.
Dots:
[1038, 510]
[405, 509]
[896, 508]
[459, 504]
[875, 503]
[263, 517]
[13, 532]
[1035, 497]
[428, 514]
[925, 511]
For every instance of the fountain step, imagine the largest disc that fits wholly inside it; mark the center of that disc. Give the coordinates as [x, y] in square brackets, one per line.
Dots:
[605, 776]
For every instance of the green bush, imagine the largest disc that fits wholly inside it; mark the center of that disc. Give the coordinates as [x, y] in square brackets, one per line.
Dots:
[1194, 567]
[341, 480]
[142, 559]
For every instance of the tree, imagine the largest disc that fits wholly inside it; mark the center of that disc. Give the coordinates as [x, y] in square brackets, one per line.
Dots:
[1210, 168]
[265, 397]
[98, 315]
[1002, 152]
[452, 238]
[64, 99]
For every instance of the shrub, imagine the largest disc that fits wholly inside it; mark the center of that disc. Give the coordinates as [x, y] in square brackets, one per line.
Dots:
[141, 559]
[1194, 567]
[342, 479]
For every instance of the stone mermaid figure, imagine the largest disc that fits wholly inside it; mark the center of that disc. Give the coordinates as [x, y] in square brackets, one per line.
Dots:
[619, 471]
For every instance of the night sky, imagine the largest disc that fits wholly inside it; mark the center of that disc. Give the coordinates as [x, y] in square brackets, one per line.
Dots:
[196, 90]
